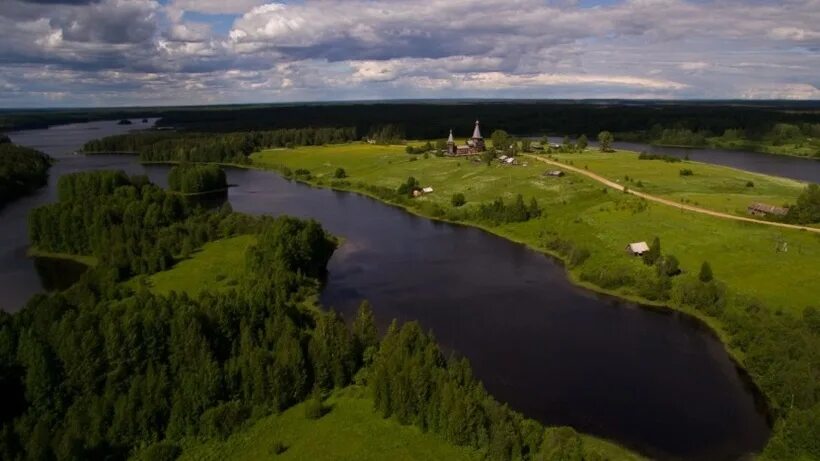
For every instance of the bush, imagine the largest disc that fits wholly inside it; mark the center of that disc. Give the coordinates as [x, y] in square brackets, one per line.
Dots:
[314, 408]
[221, 421]
[750, 184]
[159, 451]
[277, 448]
[340, 173]
[458, 200]
[686, 172]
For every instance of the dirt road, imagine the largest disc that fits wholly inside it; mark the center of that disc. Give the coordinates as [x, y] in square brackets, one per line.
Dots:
[672, 203]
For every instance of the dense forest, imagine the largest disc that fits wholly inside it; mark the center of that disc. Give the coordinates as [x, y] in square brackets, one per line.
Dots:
[791, 138]
[432, 119]
[22, 170]
[108, 370]
[166, 146]
[126, 222]
[195, 179]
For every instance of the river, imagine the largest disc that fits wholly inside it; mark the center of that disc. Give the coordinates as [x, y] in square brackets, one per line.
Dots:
[654, 380]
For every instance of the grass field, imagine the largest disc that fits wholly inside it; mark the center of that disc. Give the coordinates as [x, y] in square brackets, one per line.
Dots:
[715, 187]
[744, 256]
[350, 431]
[218, 265]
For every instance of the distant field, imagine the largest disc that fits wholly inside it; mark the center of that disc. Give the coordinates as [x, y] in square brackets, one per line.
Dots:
[218, 265]
[744, 256]
[715, 187]
[350, 431]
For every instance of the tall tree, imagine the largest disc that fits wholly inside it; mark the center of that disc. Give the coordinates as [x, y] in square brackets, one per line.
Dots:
[605, 140]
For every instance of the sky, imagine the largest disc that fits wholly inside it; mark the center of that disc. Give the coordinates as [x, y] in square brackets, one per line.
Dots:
[65, 53]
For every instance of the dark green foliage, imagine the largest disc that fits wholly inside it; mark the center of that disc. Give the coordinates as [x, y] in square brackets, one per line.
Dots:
[668, 265]
[340, 173]
[365, 334]
[686, 172]
[129, 224]
[88, 185]
[215, 147]
[458, 200]
[665, 158]
[653, 255]
[387, 134]
[605, 140]
[562, 444]
[705, 275]
[408, 187]
[497, 212]
[811, 317]
[314, 409]
[750, 184]
[194, 178]
[682, 137]
[104, 370]
[807, 209]
[22, 170]
[574, 255]
[295, 245]
[222, 420]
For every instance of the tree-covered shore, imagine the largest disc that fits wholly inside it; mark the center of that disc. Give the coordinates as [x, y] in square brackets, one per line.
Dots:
[22, 170]
[111, 370]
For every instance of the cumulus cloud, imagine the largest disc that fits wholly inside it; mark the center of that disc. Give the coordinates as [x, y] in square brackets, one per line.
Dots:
[129, 51]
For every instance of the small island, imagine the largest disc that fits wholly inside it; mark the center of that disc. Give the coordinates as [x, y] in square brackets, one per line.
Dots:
[124, 121]
[192, 179]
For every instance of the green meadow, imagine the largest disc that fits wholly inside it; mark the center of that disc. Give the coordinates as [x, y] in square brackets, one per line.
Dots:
[351, 430]
[747, 257]
[719, 188]
[217, 266]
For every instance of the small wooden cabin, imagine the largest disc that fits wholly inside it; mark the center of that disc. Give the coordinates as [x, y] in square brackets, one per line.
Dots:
[763, 209]
[637, 248]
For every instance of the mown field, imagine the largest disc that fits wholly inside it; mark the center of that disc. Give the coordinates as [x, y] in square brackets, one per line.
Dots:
[349, 431]
[748, 258]
[715, 187]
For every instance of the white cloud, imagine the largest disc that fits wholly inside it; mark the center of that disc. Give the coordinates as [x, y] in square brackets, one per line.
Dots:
[315, 49]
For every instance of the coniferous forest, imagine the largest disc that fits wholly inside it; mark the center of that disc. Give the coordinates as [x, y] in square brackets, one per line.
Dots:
[166, 146]
[22, 170]
[195, 179]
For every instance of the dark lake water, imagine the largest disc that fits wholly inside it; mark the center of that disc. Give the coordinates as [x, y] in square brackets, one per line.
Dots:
[656, 381]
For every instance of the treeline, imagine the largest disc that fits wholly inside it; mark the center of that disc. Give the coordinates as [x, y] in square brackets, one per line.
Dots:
[214, 147]
[807, 208]
[195, 178]
[22, 170]
[127, 223]
[794, 138]
[433, 120]
[412, 381]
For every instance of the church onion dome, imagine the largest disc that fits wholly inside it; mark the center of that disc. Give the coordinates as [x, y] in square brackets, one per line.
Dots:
[476, 132]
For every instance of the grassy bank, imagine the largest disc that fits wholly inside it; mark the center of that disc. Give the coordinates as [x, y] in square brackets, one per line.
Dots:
[87, 260]
[579, 211]
[350, 430]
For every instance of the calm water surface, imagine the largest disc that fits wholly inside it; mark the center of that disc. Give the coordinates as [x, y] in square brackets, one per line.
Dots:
[656, 381]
